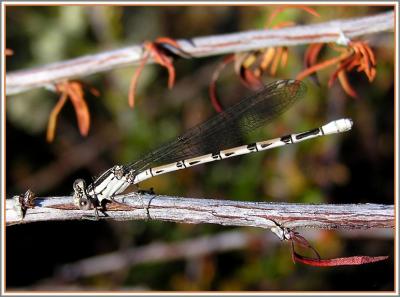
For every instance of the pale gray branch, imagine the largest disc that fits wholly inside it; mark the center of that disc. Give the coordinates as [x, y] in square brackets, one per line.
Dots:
[223, 212]
[333, 31]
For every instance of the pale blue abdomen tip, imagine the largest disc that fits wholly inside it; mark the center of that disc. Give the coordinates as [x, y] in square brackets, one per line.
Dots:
[338, 126]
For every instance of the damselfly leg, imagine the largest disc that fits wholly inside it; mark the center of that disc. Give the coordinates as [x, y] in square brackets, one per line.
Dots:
[85, 202]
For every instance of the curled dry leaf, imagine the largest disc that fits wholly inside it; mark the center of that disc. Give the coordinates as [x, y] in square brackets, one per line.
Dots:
[320, 66]
[162, 50]
[357, 55]
[243, 68]
[268, 59]
[74, 91]
[346, 85]
[135, 77]
[212, 88]
[311, 57]
[346, 261]
[296, 238]
[277, 58]
[52, 124]
[76, 96]
[249, 79]
[172, 47]
[250, 66]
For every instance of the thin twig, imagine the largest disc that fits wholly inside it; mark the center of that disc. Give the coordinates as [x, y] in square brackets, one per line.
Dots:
[223, 212]
[162, 251]
[48, 75]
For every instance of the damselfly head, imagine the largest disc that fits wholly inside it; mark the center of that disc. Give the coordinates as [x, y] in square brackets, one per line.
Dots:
[80, 196]
[85, 203]
[79, 185]
[118, 171]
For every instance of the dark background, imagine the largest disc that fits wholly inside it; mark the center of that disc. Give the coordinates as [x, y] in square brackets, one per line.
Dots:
[356, 167]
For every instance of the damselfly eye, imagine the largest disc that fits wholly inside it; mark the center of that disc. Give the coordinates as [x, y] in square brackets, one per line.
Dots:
[84, 204]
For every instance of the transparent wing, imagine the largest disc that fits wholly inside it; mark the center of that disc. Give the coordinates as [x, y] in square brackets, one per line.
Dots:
[227, 128]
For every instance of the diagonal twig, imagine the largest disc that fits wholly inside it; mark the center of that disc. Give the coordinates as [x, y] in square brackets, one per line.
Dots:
[186, 249]
[48, 75]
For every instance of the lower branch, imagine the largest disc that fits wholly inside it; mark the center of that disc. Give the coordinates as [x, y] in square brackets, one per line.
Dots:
[133, 206]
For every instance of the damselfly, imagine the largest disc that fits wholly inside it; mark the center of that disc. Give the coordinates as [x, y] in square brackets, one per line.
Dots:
[216, 139]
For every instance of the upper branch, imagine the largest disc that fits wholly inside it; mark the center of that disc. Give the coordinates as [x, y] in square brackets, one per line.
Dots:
[223, 212]
[23, 80]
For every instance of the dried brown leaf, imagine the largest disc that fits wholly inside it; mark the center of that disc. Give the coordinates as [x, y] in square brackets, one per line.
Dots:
[80, 107]
[52, 124]
[212, 88]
